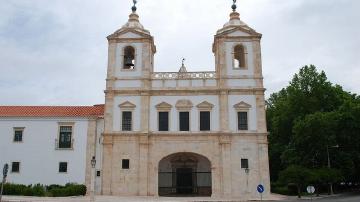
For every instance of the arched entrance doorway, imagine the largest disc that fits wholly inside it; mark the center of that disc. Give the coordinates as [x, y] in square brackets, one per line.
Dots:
[184, 174]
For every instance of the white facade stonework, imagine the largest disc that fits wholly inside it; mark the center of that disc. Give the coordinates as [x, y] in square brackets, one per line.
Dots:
[159, 160]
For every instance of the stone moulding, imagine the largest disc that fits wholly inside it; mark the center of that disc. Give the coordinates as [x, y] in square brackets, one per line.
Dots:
[184, 75]
[163, 106]
[127, 105]
[205, 106]
[242, 106]
[184, 105]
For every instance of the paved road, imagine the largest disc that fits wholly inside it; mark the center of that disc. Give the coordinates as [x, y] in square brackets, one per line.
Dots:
[342, 198]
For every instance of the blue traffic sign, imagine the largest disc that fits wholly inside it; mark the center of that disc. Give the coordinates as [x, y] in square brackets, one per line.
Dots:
[260, 188]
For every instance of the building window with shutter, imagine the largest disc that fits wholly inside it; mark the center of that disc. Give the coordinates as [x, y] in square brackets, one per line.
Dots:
[15, 167]
[65, 137]
[204, 121]
[184, 122]
[242, 121]
[63, 167]
[126, 121]
[18, 134]
[163, 121]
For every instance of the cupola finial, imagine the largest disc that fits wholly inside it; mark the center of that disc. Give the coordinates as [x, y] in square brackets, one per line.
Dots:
[234, 6]
[134, 6]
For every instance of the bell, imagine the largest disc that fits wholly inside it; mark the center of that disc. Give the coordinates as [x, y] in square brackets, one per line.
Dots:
[129, 62]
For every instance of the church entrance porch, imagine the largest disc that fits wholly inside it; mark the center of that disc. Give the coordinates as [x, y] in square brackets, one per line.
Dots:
[185, 174]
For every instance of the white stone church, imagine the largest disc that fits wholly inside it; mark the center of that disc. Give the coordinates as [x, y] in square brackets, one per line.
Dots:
[159, 133]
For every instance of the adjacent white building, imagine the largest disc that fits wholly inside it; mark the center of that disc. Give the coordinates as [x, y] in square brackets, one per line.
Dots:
[47, 145]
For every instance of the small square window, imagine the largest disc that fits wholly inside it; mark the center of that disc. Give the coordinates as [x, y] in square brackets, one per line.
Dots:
[15, 167]
[244, 163]
[98, 173]
[63, 167]
[125, 164]
[18, 135]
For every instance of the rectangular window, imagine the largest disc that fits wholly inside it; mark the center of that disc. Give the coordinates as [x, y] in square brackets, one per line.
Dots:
[15, 167]
[125, 164]
[65, 137]
[18, 134]
[163, 121]
[244, 163]
[126, 121]
[204, 121]
[98, 173]
[63, 167]
[242, 121]
[184, 121]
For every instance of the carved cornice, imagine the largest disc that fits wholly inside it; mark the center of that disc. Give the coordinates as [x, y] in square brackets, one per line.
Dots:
[184, 105]
[163, 106]
[205, 106]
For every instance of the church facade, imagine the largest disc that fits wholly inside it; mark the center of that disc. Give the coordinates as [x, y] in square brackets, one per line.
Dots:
[159, 133]
[185, 133]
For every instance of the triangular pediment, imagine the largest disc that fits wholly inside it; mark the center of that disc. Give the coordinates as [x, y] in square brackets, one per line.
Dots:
[127, 105]
[238, 31]
[129, 34]
[242, 105]
[205, 105]
[164, 106]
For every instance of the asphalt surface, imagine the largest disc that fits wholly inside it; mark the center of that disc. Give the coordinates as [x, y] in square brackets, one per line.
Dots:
[353, 197]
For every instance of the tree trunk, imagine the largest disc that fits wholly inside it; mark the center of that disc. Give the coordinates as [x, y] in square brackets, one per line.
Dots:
[299, 191]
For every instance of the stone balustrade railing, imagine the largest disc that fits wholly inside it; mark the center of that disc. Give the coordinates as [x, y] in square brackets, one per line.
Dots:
[184, 75]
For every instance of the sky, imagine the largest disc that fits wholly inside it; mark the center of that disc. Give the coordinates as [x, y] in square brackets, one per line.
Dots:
[54, 52]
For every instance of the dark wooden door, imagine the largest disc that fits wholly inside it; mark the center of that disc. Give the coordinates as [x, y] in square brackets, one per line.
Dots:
[184, 180]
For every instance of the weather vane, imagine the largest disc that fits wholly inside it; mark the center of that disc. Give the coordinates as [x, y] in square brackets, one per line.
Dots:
[234, 6]
[134, 6]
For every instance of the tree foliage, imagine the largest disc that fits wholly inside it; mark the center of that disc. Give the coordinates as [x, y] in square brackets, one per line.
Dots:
[308, 118]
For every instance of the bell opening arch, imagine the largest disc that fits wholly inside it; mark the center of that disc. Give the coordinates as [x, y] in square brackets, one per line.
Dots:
[184, 174]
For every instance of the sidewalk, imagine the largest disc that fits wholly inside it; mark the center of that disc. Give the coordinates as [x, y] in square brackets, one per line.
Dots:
[274, 197]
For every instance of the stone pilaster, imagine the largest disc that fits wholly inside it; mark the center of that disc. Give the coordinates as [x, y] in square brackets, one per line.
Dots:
[107, 165]
[225, 145]
[260, 112]
[143, 165]
[90, 151]
[257, 63]
[224, 119]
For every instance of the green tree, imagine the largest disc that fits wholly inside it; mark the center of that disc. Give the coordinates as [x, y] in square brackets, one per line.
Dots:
[297, 175]
[308, 116]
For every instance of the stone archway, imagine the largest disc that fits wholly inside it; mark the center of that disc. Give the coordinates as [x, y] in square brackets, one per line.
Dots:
[184, 174]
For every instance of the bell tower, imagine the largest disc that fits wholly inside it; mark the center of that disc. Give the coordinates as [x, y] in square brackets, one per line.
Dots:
[237, 51]
[130, 61]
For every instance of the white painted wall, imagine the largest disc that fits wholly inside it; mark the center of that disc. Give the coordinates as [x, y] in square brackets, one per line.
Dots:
[39, 160]
[136, 115]
[194, 113]
[249, 99]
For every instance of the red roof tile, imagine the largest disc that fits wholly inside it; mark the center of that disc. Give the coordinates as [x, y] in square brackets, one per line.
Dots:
[52, 111]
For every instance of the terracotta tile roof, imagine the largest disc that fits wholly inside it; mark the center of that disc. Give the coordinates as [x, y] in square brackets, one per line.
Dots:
[52, 111]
